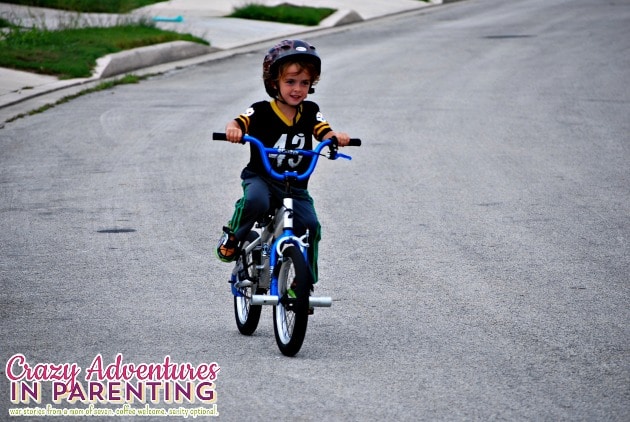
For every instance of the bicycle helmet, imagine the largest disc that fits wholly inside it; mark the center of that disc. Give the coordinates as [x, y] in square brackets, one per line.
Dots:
[280, 53]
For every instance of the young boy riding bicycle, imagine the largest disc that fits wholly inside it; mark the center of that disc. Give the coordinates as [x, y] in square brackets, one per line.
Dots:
[290, 71]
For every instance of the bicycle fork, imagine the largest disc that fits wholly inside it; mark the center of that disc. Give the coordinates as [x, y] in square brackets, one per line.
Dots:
[283, 234]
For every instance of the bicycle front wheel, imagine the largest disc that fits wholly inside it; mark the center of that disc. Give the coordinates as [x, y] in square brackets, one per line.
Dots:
[290, 315]
[247, 315]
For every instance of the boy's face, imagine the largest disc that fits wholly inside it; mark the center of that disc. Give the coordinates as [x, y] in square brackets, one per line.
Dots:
[294, 85]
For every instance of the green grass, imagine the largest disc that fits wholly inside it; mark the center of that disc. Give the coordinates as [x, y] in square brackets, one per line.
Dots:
[72, 53]
[5, 23]
[309, 16]
[88, 6]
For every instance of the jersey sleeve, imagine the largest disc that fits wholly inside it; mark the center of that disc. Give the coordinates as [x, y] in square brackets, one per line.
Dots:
[244, 119]
[321, 127]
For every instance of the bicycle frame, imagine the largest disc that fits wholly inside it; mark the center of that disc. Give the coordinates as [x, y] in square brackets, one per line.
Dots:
[283, 233]
[272, 267]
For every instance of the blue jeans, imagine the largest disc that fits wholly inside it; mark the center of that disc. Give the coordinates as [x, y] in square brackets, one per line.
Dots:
[260, 195]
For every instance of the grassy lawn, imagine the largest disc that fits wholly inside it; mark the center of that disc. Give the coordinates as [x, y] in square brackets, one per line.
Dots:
[310, 16]
[88, 6]
[72, 53]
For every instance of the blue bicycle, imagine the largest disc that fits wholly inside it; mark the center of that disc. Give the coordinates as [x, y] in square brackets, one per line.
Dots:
[272, 267]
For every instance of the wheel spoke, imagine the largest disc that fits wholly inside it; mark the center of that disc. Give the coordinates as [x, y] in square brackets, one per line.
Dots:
[291, 313]
[246, 314]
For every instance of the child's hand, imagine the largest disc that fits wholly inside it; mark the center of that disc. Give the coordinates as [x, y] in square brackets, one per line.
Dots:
[343, 139]
[233, 132]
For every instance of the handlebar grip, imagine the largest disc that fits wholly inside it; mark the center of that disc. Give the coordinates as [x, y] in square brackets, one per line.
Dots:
[354, 142]
[219, 136]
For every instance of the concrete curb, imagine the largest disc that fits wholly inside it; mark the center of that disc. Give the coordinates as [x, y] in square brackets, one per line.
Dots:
[341, 17]
[138, 58]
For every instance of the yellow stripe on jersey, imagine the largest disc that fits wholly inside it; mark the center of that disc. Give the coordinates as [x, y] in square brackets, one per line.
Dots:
[280, 114]
[321, 129]
[283, 117]
[244, 120]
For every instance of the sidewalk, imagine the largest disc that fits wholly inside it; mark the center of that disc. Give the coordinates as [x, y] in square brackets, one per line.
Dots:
[202, 18]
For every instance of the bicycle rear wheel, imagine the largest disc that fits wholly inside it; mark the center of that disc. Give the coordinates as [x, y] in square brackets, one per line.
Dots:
[247, 315]
[290, 315]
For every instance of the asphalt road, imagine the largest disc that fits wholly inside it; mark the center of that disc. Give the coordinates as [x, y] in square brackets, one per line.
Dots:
[476, 247]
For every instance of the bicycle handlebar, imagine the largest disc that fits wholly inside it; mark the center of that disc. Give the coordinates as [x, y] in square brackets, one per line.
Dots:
[221, 136]
[264, 154]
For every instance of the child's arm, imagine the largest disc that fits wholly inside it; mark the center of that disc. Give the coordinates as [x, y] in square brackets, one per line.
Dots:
[233, 132]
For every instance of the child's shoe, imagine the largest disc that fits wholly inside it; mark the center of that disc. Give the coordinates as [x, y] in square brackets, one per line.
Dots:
[227, 250]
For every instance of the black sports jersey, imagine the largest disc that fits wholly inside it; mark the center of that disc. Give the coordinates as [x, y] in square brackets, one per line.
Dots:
[265, 121]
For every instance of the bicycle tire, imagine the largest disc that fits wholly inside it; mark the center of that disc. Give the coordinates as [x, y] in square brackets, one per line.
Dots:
[247, 315]
[290, 315]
